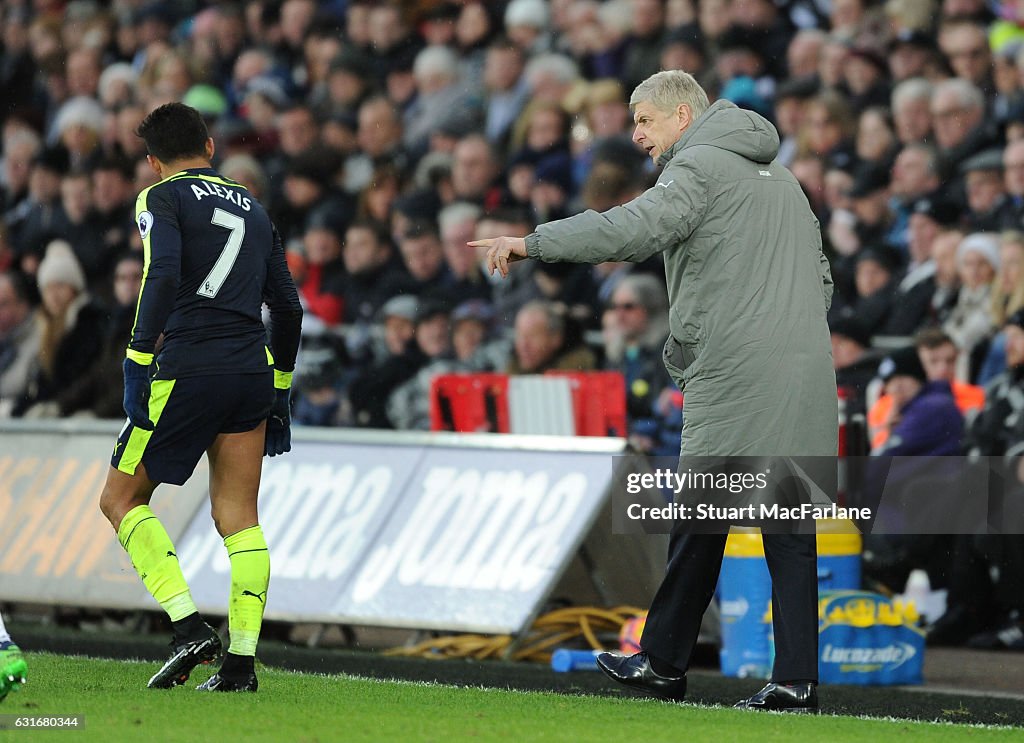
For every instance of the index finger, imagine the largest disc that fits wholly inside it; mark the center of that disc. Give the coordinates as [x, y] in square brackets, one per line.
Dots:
[483, 243]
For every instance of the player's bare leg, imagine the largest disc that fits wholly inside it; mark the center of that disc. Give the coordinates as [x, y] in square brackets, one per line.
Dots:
[235, 466]
[125, 503]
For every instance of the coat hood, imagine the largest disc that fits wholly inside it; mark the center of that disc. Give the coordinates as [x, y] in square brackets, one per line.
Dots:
[728, 127]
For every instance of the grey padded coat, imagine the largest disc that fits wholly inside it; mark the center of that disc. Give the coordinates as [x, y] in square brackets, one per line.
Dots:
[748, 283]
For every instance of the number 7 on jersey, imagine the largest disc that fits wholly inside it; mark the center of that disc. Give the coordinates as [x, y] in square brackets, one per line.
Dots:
[228, 255]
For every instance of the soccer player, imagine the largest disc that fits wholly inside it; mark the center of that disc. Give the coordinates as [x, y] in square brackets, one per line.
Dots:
[211, 259]
[13, 670]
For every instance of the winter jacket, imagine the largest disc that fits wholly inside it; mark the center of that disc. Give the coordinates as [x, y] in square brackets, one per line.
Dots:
[748, 284]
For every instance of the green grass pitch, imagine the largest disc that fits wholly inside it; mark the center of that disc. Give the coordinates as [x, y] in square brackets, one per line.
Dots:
[301, 707]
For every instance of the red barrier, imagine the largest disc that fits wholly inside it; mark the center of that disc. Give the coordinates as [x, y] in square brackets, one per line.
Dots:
[598, 402]
[479, 403]
[469, 403]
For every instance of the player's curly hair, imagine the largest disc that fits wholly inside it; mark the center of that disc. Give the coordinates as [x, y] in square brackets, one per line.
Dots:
[174, 131]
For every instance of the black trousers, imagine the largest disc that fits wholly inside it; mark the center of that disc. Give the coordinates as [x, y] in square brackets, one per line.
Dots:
[694, 562]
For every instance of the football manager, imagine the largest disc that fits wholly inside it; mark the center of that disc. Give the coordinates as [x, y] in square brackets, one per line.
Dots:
[748, 344]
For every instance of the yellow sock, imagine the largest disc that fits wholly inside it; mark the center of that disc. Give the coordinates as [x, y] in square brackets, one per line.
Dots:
[250, 576]
[152, 553]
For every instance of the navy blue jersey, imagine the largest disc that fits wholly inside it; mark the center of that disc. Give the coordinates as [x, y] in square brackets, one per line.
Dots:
[212, 257]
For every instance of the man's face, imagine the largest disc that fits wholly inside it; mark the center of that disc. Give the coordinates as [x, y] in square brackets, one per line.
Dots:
[473, 168]
[845, 351]
[1013, 168]
[127, 281]
[630, 315]
[912, 174]
[939, 363]
[952, 119]
[984, 187]
[432, 335]
[913, 120]
[398, 331]
[968, 53]
[1014, 346]
[298, 131]
[535, 342]
[902, 389]
[870, 277]
[656, 131]
[362, 251]
[378, 129]
[423, 256]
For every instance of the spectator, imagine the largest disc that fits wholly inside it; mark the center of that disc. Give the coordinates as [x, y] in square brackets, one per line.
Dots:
[852, 360]
[440, 98]
[958, 113]
[542, 342]
[20, 337]
[20, 148]
[505, 89]
[947, 276]
[73, 329]
[912, 303]
[475, 170]
[1007, 298]
[965, 44]
[114, 202]
[970, 322]
[987, 203]
[923, 419]
[367, 257]
[409, 405]
[423, 258]
[911, 110]
[322, 287]
[36, 219]
[457, 224]
[911, 54]
[914, 175]
[984, 606]
[100, 391]
[370, 393]
[635, 332]
[938, 355]
[80, 226]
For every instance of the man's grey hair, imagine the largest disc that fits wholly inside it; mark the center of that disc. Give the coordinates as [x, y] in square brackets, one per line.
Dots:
[23, 137]
[557, 66]
[968, 95]
[667, 89]
[914, 89]
[79, 111]
[553, 316]
[457, 213]
[436, 61]
[649, 291]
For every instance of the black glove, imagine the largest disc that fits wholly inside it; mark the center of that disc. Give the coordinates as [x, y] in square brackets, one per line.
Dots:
[279, 425]
[136, 395]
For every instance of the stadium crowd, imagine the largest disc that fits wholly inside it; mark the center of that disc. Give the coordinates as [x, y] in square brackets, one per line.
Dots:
[384, 135]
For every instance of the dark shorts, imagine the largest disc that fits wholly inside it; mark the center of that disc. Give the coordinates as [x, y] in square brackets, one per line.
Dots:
[189, 414]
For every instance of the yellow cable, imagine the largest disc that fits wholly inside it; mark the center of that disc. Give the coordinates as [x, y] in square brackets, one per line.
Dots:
[552, 629]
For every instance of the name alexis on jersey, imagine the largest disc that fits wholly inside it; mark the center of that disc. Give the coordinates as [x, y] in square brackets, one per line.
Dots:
[214, 189]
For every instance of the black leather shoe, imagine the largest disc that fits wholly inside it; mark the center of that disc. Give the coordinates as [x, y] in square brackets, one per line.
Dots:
[798, 698]
[635, 672]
